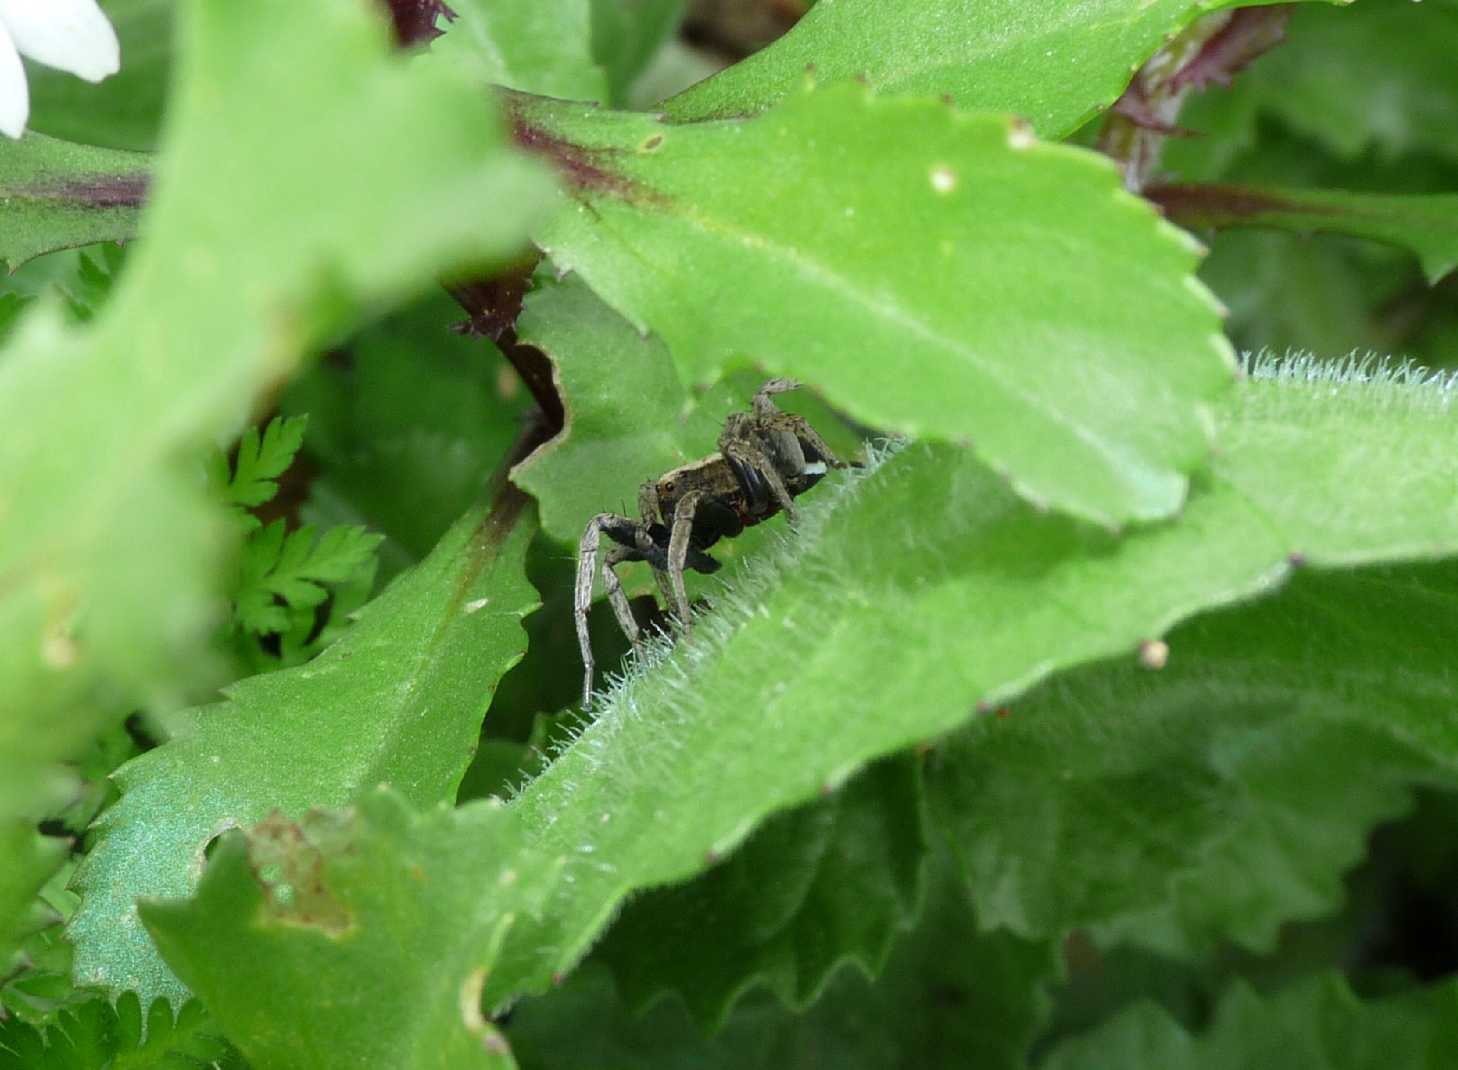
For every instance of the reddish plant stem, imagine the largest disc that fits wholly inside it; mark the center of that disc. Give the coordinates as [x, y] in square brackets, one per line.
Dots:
[492, 305]
[415, 20]
[1211, 51]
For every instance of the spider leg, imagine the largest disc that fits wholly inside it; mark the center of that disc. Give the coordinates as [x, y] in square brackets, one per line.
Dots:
[582, 598]
[652, 513]
[801, 429]
[748, 452]
[763, 406]
[616, 598]
[618, 527]
[770, 416]
[678, 548]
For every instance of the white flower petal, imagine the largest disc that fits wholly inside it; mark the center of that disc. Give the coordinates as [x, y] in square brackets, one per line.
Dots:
[14, 93]
[70, 35]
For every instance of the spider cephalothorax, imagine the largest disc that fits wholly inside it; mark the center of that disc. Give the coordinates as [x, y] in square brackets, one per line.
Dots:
[766, 459]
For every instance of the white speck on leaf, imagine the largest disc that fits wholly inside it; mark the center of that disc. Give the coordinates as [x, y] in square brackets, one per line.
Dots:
[1154, 653]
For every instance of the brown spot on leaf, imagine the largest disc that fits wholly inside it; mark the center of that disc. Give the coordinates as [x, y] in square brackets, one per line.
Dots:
[289, 866]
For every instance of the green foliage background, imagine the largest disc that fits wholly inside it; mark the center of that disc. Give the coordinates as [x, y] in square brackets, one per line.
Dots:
[1102, 715]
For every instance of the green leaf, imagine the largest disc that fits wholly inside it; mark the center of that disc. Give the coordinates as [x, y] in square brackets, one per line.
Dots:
[1326, 295]
[58, 195]
[1056, 64]
[11, 307]
[261, 460]
[110, 585]
[29, 859]
[398, 700]
[83, 279]
[815, 888]
[625, 36]
[340, 905]
[1372, 723]
[287, 572]
[89, 286]
[34, 902]
[281, 577]
[97, 1034]
[125, 110]
[94, 767]
[1428, 225]
[677, 66]
[38, 979]
[1317, 1025]
[1224, 795]
[497, 768]
[407, 428]
[1379, 76]
[1224, 122]
[961, 290]
[542, 47]
[309, 629]
[884, 623]
[1297, 828]
[950, 996]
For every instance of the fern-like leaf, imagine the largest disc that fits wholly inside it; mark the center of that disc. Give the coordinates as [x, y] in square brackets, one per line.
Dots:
[262, 458]
[96, 1034]
[283, 571]
[11, 306]
[87, 288]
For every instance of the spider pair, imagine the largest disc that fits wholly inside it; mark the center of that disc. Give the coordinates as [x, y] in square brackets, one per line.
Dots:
[766, 459]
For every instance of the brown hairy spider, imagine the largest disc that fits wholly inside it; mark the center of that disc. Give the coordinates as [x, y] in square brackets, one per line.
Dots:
[766, 459]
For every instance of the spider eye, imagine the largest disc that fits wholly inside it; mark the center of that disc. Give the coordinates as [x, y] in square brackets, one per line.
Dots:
[668, 485]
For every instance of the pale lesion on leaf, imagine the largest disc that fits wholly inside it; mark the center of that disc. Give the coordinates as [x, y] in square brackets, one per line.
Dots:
[492, 1042]
[289, 861]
